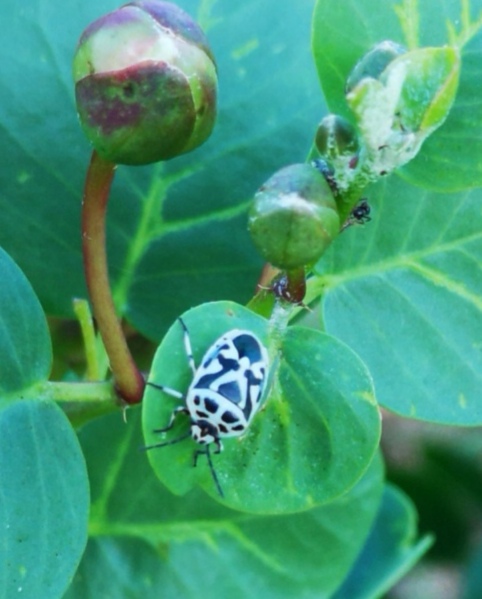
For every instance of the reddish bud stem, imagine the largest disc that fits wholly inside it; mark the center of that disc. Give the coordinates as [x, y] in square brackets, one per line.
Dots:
[129, 382]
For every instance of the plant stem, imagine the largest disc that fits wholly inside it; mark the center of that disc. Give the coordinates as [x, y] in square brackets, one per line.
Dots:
[129, 382]
[84, 317]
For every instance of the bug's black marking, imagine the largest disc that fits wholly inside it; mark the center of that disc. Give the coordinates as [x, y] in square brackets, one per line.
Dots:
[211, 406]
[225, 393]
[229, 417]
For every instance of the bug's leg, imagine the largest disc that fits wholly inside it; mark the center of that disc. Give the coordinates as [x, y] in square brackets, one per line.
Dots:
[187, 346]
[195, 456]
[164, 443]
[219, 446]
[198, 452]
[207, 453]
[175, 412]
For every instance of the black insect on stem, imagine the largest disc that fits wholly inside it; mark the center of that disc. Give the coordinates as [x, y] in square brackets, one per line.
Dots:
[290, 286]
[328, 172]
[360, 214]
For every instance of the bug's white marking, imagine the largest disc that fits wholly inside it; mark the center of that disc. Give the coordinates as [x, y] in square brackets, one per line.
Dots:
[225, 393]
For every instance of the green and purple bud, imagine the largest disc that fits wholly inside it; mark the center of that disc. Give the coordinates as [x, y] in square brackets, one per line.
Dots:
[294, 217]
[145, 83]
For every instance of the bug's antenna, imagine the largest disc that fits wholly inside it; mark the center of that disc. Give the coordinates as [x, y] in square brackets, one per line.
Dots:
[164, 443]
[187, 346]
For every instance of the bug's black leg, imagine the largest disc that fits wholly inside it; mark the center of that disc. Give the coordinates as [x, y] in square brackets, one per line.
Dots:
[219, 446]
[207, 453]
[198, 452]
[164, 443]
[187, 346]
[179, 410]
[195, 456]
[175, 412]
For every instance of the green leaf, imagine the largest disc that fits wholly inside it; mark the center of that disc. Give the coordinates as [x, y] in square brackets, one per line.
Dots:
[147, 542]
[390, 550]
[313, 438]
[344, 31]
[25, 350]
[431, 79]
[168, 221]
[472, 580]
[404, 292]
[44, 501]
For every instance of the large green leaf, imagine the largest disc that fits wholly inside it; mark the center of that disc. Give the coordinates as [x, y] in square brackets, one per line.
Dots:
[344, 31]
[165, 221]
[404, 292]
[44, 501]
[25, 351]
[390, 550]
[147, 542]
[472, 581]
[314, 437]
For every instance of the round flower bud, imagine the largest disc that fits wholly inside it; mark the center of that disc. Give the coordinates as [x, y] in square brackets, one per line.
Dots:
[145, 83]
[336, 137]
[294, 217]
[374, 62]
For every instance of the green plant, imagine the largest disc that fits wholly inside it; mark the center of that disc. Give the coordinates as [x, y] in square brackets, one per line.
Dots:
[394, 318]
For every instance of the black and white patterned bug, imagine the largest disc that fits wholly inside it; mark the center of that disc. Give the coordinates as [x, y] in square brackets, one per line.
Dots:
[225, 393]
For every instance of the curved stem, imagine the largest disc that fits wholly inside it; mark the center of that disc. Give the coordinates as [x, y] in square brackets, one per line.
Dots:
[128, 380]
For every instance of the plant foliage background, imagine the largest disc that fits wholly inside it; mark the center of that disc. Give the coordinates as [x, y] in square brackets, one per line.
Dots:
[403, 293]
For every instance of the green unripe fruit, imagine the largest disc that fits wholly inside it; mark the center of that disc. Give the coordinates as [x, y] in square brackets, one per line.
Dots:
[145, 83]
[294, 217]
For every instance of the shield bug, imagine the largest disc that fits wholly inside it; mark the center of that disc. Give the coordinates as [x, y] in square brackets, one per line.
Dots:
[224, 395]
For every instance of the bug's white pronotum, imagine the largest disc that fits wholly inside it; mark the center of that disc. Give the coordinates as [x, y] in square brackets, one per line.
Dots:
[225, 393]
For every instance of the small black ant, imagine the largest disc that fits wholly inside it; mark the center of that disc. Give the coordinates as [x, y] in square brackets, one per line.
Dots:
[359, 215]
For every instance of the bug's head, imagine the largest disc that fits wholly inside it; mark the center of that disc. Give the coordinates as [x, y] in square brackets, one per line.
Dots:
[204, 432]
